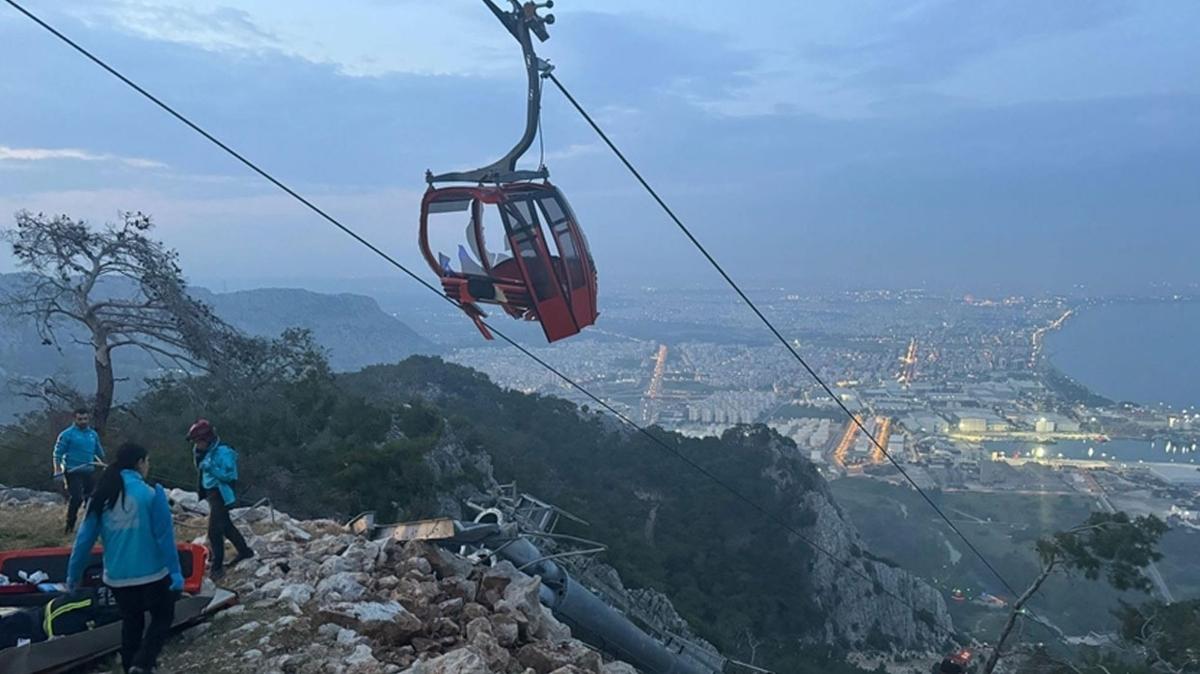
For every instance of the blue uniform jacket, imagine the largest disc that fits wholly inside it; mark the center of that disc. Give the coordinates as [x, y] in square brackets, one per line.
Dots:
[138, 535]
[78, 449]
[219, 470]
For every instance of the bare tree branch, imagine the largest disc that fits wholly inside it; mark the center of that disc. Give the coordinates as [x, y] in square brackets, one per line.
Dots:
[52, 393]
[1110, 544]
[121, 286]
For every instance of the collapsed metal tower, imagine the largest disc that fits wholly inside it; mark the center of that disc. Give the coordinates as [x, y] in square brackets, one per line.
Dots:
[598, 615]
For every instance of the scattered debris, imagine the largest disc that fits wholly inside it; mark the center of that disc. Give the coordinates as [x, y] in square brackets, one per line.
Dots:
[318, 599]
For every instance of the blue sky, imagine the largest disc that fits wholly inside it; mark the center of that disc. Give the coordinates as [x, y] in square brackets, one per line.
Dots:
[1008, 144]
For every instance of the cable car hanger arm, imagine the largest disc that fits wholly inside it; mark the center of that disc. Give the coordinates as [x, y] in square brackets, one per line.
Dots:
[522, 21]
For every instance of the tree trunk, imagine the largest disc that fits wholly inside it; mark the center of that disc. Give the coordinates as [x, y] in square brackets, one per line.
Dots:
[104, 386]
[998, 651]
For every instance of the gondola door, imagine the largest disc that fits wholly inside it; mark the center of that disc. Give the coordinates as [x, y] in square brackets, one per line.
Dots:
[576, 261]
[537, 267]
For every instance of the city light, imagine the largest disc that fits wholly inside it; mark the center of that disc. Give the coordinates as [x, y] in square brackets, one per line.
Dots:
[948, 400]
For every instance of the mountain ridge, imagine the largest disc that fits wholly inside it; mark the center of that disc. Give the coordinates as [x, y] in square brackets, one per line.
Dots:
[352, 328]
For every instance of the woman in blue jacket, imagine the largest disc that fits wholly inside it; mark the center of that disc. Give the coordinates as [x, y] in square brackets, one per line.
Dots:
[141, 563]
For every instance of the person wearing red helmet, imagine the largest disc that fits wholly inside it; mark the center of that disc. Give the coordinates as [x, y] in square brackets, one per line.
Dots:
[218, 474]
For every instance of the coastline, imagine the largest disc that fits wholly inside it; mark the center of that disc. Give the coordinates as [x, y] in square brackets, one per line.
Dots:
[1126, 349]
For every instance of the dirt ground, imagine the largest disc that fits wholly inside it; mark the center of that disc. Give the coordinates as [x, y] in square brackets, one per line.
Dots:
[41, 526]
[33, 526]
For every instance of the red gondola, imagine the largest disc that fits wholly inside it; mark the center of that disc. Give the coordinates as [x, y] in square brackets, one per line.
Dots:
[554, 284]
[957, 662]
[549, 276]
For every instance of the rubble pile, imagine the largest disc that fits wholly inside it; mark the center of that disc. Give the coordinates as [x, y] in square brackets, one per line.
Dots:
[320, 600]
[19, 496]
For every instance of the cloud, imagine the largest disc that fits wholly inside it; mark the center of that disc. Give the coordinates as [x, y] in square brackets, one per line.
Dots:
[305, 120]
[575, 150]
[266, 232]
[941, 183]
[221, 28]
[627, 59]
[927, 41]
[33, 154]
[360, 38]
[896, 58]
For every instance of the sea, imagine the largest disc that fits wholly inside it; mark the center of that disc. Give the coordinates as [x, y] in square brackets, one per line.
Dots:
[1118, 450]
[1147, 352]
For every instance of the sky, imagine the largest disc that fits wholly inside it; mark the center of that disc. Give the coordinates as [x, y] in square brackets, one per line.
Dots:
[1007, 145]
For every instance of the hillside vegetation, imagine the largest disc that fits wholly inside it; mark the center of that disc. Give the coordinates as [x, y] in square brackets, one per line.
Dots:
[324, 444]
[899, 525]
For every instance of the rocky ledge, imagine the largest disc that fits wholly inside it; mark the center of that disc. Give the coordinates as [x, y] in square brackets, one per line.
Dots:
[320, 600]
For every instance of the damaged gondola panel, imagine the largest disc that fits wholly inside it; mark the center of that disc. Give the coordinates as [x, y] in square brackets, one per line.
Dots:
[546, 274]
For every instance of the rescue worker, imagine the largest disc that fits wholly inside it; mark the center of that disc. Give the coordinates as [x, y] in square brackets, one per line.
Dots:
[141, 563]
[77, 452]
[217, 465]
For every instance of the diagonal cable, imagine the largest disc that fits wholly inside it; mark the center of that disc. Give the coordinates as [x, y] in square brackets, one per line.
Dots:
[733, 491]
[770, 326]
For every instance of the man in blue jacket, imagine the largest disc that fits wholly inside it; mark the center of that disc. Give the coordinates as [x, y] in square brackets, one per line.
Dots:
[76, 455]
[217, 464]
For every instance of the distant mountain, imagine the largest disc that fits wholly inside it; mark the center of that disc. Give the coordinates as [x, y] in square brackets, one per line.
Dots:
[25, 358]
[353, 328]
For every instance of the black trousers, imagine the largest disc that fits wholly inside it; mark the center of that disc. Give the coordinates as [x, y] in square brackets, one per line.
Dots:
[140, 645]
[79, 489]
[220, 527]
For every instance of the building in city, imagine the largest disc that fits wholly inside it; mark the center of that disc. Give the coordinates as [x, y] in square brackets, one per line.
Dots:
[1051, 422]
[925, 423]
[979, 421]
[970, 423]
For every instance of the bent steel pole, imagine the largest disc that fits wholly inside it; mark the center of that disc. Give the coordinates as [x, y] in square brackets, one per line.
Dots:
[590, 619]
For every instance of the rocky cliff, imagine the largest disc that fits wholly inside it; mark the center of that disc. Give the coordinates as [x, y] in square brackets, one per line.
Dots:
[871, 604]
[726, 566]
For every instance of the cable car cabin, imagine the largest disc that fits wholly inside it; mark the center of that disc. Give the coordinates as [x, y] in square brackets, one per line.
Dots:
[956, 663]
[545, 272]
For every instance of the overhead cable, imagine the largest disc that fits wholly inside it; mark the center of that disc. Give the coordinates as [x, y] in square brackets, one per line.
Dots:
[657, 441]
[771, 327]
